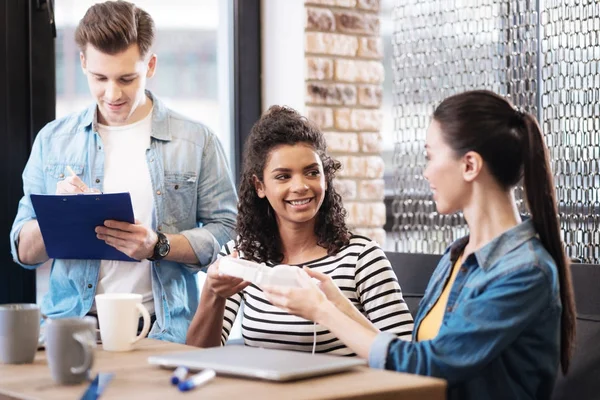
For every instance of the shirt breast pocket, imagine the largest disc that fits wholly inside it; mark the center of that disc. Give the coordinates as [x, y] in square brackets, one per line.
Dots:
[180, 196]
[58, 171]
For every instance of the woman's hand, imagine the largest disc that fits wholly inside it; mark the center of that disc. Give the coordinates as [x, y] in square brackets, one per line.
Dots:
[223, 285]
[305, 301]
[327, 286]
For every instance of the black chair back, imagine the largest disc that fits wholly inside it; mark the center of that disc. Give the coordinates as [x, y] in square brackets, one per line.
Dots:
[413, 272]
[583, 379]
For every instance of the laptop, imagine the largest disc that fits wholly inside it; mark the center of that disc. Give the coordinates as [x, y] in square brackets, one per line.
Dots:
[255, 362]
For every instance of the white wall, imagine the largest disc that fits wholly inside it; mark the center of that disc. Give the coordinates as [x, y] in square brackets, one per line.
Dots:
[283, 63]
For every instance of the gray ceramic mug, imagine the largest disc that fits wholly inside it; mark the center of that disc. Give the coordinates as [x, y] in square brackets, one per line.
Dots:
[70, 344]
[19, 333]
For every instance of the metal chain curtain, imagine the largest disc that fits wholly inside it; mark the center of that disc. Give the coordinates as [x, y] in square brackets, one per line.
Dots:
[570, 116]
[443, 47]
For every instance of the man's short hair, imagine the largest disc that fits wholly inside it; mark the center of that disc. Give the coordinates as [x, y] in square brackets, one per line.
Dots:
[113, 26]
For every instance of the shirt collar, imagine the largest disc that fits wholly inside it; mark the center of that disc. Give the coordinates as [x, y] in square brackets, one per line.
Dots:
[160, 122]
[488, 255]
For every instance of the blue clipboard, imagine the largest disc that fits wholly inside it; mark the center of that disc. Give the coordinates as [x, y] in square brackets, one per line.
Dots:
[68, 224]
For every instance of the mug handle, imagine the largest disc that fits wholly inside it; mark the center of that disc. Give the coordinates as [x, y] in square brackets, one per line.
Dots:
[146, 328]
[85, 340]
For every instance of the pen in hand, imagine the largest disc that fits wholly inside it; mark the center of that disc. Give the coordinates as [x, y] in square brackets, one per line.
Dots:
[197, 380]
[70, 170]
[83, 187]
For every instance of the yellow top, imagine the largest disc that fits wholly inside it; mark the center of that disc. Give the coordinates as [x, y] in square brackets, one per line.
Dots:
[430, 325]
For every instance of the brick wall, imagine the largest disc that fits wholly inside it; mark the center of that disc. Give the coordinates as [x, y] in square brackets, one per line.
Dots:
[344, 76]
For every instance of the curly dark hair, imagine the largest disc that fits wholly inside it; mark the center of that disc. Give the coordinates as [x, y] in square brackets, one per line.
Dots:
[257, 228]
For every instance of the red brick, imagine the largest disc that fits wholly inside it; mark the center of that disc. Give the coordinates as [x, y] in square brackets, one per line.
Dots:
[345, 188]
[359, 71]
[370, 95]
[370, 142]
[344, 142]
[371, 189]
[365, 214]
[361, 167]
[319, 68]
[370, 47]
[320, 19]
[371, 5]
[330, 43]
[321, 2]
[356, 22]
[330, 94]
[358, 119]
[321, 116]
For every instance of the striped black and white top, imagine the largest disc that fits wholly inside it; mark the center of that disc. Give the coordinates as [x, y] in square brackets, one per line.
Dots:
[362, 272]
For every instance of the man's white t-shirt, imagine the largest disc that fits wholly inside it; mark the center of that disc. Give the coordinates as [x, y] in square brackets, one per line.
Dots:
[126, 170]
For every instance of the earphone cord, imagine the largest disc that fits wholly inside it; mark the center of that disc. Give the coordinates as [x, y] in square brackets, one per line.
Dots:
[314, 337]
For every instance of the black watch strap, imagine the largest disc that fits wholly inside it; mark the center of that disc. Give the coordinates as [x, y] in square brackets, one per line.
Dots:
[161, 248]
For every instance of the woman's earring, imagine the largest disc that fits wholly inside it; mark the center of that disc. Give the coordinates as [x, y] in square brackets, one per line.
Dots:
[268, 211]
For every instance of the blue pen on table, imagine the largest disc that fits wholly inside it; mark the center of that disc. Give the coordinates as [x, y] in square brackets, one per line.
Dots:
[179, 375]
[197, 380]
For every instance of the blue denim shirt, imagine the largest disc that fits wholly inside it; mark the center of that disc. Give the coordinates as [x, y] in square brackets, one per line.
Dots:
[193, 195]
[500, 335]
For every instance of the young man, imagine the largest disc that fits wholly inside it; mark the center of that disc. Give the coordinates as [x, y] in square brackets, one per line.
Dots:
[175, 169]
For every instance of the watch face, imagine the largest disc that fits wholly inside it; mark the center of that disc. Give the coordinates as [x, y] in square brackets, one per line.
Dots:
[163, 249]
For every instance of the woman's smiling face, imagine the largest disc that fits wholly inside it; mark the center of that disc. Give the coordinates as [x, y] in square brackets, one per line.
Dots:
[293, 183]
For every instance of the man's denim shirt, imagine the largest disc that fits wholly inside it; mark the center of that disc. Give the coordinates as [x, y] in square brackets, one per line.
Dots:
[500, 335]
[193, 195]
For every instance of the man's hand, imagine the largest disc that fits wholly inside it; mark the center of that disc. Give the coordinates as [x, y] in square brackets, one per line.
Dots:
[73, 185]
[135, 240]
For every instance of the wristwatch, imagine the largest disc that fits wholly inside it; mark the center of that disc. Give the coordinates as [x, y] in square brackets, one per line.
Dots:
[161, 248]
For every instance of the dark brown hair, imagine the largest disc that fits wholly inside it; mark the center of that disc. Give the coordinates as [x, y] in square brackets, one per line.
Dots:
[256, 225]
[511, 144]
[113, 26]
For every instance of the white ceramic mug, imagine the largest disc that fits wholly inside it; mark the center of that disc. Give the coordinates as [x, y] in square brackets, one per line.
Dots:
[118, 316]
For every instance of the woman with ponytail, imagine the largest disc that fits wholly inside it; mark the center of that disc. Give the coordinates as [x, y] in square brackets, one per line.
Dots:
[498, 315]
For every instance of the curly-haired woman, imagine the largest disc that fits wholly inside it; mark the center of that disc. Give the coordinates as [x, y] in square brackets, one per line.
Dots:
[289, 213]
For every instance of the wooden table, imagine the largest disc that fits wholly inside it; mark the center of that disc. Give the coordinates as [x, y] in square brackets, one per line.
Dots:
[136, 379]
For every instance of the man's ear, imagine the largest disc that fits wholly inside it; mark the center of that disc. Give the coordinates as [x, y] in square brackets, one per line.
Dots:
[151, 66]
[259, 187]
[82, 61]
[472, 164]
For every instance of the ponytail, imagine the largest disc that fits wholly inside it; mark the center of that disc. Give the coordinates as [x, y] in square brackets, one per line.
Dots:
[511, 143]
[541, 198]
